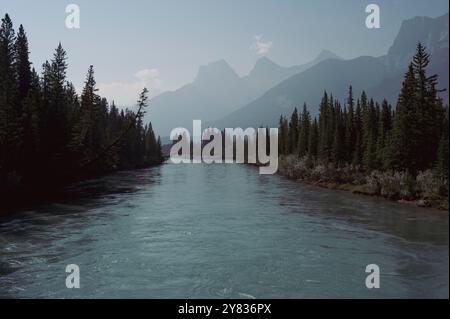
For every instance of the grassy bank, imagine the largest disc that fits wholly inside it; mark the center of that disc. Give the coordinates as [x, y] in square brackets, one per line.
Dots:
[425, 190]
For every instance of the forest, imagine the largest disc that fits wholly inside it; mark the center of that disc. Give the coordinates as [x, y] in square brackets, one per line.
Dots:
[372, 148]
[49, 135]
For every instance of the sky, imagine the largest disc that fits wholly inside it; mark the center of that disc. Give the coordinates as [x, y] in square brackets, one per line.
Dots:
[160, 44]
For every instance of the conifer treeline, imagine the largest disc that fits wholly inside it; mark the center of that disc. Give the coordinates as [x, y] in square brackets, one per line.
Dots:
[48, 131]
[369, 136]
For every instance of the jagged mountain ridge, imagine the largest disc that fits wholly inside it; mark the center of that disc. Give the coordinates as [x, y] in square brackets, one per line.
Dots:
[380, 77]
[217, 91]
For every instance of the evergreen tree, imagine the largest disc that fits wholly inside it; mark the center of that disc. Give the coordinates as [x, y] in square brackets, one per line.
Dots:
[283, 137]
[443, 152]
[11, 130]
[428, 111]
[338, 149]
[303, 141]
[350, 137]
[57, 132]
[358, 147]
[369, 135]
[84, 140]
[313, 140]
[32, 123]
[384, 128]
[293, 132]
[324, 146]
[405, 131]
[23, 65]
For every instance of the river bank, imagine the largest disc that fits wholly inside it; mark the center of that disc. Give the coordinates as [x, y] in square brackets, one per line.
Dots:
[426, 190]
[16, 196]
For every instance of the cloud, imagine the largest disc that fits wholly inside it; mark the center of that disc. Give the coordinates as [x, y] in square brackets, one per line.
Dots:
[126, 94]
[260, 46]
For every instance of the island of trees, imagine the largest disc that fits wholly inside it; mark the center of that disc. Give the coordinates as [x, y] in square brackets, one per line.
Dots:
[370, 148]
[49, 135]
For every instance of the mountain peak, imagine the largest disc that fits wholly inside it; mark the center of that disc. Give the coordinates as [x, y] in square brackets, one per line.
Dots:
[326, 55]
[432, 32]
[264, 66]
[265, 61]
[216, 70]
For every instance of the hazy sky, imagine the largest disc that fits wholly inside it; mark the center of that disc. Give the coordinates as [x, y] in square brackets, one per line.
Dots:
[161, 44]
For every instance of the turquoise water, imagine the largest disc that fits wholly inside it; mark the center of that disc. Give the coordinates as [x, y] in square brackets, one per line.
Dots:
[221, 231]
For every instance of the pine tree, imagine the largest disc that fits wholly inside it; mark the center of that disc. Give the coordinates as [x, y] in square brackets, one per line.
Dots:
[370, 136]
[57, 132]
[293, 132]
[83, 141]
[384, 128]
[41, 116]
[303, 141]
[331, 127]
[428, 112]
[283, 138]
[11, 130]
[338, 148]
[443, 151]
[350, 126]
[23, 65]
[324, 146]
[32, 122]
[405, 131]
[358, 147]
[313, 140]
[23, 74]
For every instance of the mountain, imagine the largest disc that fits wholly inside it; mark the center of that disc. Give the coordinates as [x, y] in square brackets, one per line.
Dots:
[307, 86]
[266, 74]
[433, 33]
[380, 77]
[217, 91]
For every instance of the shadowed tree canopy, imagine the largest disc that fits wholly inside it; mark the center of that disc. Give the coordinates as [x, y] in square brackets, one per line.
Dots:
[48, 131]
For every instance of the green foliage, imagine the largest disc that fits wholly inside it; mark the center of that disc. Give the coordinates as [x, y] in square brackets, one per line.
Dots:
[418, 121]
[371, 137]
[293, 132]
[48, 131]
[283, 136]
[350, 127]
[305, 127]
[313, 141]
[443, 153]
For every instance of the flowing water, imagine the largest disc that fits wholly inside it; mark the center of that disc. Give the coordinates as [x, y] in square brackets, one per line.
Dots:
[221, 231]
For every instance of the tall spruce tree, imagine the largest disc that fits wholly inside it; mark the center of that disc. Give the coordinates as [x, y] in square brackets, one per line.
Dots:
[11, 128]
[23, 65]
[358, 147]
[369, 135]
[350, 126]
[428, 111]
[313, 141]
[384, 128]
[323, 147]
[293, 132]
[338, 149]
[305, 125]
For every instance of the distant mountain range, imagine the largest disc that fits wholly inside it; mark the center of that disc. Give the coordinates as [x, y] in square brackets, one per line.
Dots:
[217, 91]
[380, 77]
[220, 98]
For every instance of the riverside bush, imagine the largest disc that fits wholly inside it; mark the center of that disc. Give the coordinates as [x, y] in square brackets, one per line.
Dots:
[389, 184]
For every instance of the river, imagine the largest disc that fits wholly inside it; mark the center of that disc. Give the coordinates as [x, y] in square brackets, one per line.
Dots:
[221, 231]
